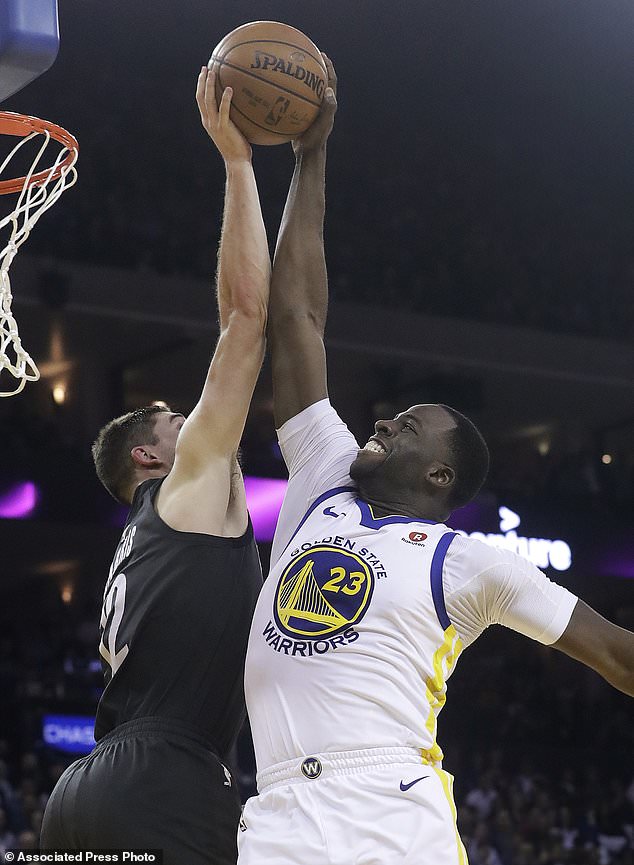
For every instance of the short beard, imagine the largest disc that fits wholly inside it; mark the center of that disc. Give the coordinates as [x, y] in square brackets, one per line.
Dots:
[353, 471]
[361, 477]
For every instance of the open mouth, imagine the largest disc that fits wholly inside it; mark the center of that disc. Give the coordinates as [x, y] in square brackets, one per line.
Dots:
[375, 447]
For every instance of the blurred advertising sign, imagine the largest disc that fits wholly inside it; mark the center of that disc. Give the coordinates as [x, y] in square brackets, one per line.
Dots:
[73, 734]
[542, 552]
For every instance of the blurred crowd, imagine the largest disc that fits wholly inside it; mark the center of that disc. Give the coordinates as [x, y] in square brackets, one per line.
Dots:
[524, 818]
[542, 761]
[470, 224]
[583, 818]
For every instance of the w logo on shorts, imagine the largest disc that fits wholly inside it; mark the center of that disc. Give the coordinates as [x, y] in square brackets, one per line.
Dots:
[311, 768]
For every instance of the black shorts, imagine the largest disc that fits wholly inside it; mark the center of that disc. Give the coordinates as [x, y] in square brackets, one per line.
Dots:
[149, 783]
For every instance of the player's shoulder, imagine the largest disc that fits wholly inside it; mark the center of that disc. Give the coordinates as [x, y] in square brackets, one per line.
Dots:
[144, 492]
[471, 563]
[478, 555]
[320, 413]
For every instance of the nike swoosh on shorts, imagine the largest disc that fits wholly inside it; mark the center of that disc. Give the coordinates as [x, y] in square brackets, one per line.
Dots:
[405, 787]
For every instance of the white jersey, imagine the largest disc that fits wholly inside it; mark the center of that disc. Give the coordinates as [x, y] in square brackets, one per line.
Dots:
[362, 618]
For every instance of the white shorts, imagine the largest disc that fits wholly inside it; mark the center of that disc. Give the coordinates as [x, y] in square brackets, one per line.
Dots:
[381, 806]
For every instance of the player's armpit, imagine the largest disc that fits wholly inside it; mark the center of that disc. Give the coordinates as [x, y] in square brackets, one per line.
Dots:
[206, 502]
[601, 645]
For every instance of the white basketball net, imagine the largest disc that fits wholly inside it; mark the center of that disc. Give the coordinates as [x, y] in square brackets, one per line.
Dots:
[33, 201]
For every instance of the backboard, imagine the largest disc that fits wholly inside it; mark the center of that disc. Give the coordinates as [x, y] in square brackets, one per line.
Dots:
[29, 42]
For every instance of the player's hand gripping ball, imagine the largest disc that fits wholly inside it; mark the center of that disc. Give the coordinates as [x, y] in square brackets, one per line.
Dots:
[278, 78]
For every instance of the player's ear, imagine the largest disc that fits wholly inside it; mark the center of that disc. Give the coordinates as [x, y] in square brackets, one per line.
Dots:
[143, 457]
[441, 476]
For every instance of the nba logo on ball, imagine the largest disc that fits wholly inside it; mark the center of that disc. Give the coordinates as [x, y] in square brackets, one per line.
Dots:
[278, 77]
[311, 768]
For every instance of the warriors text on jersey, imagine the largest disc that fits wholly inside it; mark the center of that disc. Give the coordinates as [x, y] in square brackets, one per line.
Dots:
[363, 618]
[175, 618]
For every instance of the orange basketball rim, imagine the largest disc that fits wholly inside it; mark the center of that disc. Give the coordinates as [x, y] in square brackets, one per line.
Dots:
[22, 125]
[37, 190]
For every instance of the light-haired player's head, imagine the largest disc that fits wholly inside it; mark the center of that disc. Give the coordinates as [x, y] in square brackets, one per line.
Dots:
[430, 459]
[136, 446]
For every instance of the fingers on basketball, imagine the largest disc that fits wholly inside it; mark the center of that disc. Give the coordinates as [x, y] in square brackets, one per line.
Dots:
[329, 105]
[225, 104]
[332, 75]
[200, 92]
[328, 109]
[210, 95]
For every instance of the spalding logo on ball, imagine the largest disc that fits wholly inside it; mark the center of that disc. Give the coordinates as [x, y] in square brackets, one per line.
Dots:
[278, 78]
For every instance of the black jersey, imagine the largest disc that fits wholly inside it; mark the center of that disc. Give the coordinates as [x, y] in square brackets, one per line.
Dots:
[174, 625]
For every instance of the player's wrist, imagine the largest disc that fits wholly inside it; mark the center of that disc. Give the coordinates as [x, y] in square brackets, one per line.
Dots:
[310, 153]
[237, 163]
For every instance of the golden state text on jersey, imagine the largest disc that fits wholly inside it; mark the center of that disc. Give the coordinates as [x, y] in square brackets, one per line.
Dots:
[350, 619]
[321, 594]
[351, 644]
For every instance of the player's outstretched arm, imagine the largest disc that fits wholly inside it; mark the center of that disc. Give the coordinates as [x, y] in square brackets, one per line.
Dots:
[209, 439]
[601, 645]
[299, 284]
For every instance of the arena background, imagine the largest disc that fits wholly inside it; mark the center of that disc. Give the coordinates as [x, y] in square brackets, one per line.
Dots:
[480, 227]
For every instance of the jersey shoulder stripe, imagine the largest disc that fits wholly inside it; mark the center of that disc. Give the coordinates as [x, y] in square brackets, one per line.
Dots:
[437, 590]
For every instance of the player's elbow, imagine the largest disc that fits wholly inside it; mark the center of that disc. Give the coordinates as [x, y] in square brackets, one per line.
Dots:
[614, 660]
[245, 292]
[290, 324]
[246, 331]
[601, 645]
[249, 311]
[619, 672]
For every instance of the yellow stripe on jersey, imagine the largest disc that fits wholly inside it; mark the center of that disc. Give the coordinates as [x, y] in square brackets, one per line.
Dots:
[447, 784]
[444, 660]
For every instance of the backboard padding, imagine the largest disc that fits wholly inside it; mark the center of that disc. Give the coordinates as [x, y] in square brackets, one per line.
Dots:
[29, 42]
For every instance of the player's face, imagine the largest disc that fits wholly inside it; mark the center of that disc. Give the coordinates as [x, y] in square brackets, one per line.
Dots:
[167, 426]
[399, 452]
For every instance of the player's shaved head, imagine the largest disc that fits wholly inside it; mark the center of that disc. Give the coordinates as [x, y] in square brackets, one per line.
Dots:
[469, 456]
[427, 461]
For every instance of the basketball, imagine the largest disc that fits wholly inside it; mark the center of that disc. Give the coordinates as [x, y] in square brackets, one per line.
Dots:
[278, 78]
